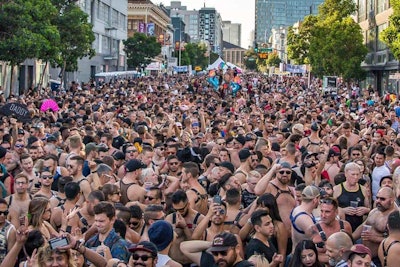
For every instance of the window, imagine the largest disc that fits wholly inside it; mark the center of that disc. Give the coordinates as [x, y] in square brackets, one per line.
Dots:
[114, 17]
[122, 21]
[105, 45]
[96, 45]
[381, 45]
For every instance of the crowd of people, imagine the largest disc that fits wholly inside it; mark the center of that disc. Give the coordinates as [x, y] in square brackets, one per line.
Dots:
[171, 171]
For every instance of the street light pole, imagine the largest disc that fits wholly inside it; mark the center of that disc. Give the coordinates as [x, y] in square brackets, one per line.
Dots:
[180, 46]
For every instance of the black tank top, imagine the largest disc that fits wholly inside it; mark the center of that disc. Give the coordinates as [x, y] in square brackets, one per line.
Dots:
[344, 202]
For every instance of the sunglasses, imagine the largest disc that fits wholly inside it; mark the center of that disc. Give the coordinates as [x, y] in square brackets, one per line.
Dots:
[222, 253]
[161, 148]
[134, 224]
[356, 154]
[285, 172]
[5, 213]
[221, 143]
[149, 198]
[116, 193]
[19, 146]
[130, 151]
[182, 209]
[142, 257]
[173, 163]
[47, 177]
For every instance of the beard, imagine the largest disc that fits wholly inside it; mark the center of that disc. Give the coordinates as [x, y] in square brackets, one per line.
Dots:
[332, 262]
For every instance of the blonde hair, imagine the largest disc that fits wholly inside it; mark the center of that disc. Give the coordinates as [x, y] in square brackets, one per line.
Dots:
[259, 260]
[75, 141]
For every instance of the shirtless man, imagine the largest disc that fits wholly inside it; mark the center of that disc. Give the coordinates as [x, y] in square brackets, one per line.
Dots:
[74, 167]
[328, 225]
[352, 138]
[197, 195]
[301, 217]
[333, 165]
[246, 164]
[374, 230]
[184, 220]
[280, 189]
[313, 142]
[19, 201]
[27, 169]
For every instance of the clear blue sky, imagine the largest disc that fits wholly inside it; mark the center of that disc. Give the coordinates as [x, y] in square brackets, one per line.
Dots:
[237, 11]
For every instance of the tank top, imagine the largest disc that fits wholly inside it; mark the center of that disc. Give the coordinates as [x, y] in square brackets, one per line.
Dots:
[124, 192]
[4, 233]
[344, 201]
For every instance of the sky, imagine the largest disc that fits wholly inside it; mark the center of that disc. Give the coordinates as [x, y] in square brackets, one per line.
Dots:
[237, 11]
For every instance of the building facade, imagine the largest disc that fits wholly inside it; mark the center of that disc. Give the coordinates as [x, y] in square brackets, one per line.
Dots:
[271, 14]
[232, 32]
[233, 54]
[210, 28]
[189, 17]
[373, 18]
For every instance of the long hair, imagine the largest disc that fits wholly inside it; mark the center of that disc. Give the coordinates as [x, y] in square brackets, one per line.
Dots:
[268, 201]
[303, 245]
[37, 207]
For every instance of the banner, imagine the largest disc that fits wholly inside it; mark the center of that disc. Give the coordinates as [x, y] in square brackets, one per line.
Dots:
[142, 27]
[150, 29]
[19, 111]
[181, 68]
[296, 68]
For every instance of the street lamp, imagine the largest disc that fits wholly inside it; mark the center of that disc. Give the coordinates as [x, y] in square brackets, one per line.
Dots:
[180, 45]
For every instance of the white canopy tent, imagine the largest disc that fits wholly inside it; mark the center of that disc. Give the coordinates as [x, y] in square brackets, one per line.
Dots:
[217, 63]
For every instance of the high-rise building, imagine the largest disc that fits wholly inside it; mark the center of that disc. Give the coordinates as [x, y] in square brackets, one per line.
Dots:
[232, 32]
[189, 17]
[210, 28]
[271, 14]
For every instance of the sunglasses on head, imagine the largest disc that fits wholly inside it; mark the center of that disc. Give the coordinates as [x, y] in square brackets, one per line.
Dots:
[142, 257]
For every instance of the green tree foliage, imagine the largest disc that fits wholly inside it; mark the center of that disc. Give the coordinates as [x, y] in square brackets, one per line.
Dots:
[391, 35]
[26, 30]
[331, 42]
[194, 54]
[140, 49]
[76, 34]
[273, 59]
[250, 57]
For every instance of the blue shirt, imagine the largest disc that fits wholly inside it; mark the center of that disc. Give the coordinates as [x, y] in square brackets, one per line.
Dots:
[117, 245]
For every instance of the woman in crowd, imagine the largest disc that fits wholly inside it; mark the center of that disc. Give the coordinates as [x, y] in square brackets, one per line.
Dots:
[305, 255]
[39, 213]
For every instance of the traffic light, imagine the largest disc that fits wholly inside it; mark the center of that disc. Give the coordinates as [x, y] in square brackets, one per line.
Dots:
[256, 47]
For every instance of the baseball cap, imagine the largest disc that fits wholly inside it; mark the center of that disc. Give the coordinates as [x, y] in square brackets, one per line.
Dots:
[161, 234]
[310, 192]
[91, 147]
[307, 154]
[357, 249]
[285, 165]
[51, 138]
[119, 155]
[334, 151]
[145, 246]
[241, 139]
[226, 164]
[3, 152]
[159, 144]
[200, 135]
[244, 154]
[133, 165]
[21, 131]
[223, 242]
[298, 128]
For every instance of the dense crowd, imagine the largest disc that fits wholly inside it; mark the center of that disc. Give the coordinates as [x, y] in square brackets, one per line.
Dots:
[173, 171]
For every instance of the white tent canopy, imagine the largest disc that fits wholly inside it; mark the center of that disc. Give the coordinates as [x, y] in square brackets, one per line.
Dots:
[217, 62]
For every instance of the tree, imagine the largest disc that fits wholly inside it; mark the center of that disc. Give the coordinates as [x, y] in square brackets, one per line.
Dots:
[76, 34]
[140, 49]
[194, 54]
[390, 36]
[273, 59]
[331, 42]
[26, 30]
[250, 57]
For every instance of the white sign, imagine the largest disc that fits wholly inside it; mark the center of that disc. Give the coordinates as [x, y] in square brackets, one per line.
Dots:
[172, 61]
[395, 76]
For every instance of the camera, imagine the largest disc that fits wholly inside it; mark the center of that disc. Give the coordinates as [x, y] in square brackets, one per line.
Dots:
[58, 242]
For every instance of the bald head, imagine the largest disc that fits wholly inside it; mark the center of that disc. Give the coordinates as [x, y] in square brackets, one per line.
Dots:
[341, 240]
[386, 192]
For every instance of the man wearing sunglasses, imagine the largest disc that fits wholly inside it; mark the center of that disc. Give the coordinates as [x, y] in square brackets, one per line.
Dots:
[144, 254]
[328, 225]
[224, 251]
[7, 230]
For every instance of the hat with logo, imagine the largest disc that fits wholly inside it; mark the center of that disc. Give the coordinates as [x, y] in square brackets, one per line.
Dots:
[310, 192]
[133, 165]
[357, 249]
[145, 246]
[223, 242]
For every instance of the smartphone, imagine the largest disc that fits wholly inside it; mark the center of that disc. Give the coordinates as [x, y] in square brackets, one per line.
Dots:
[37, 185]
[58, 242]
[22, 220]
[217, 199]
